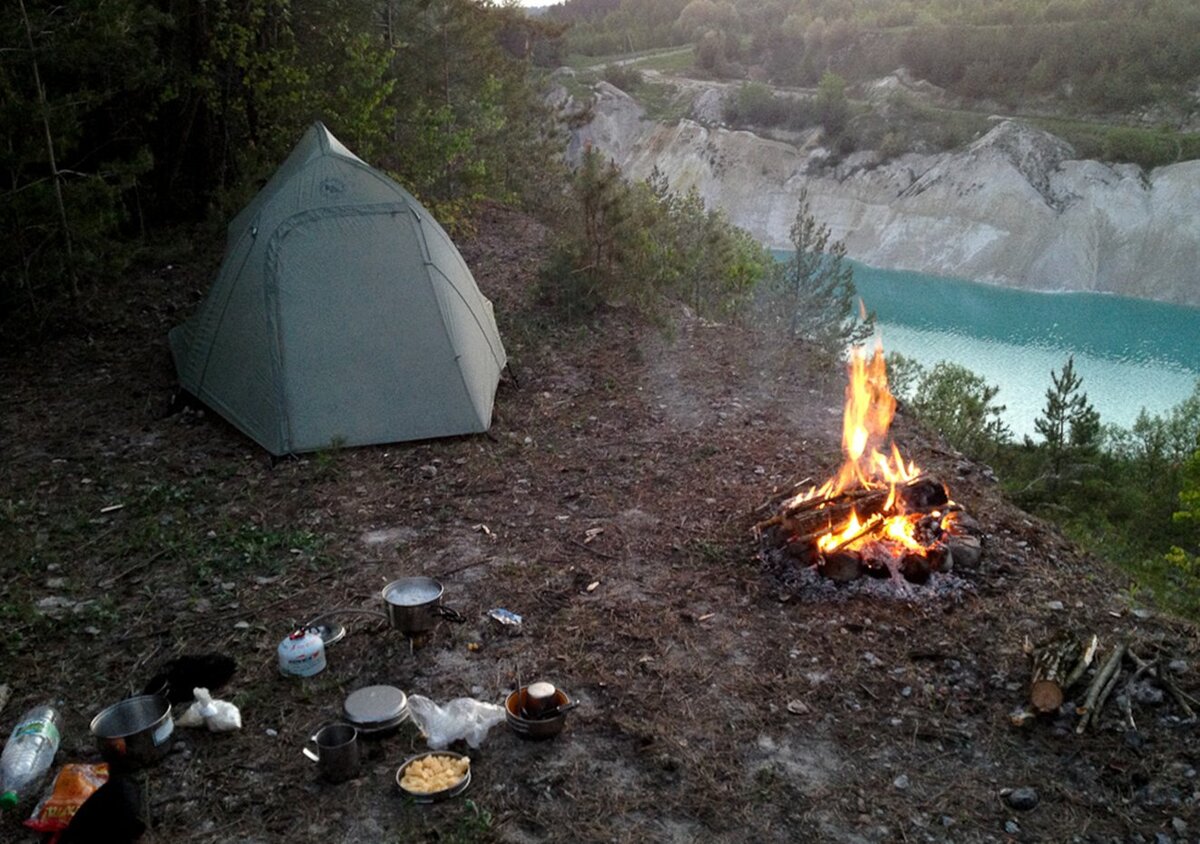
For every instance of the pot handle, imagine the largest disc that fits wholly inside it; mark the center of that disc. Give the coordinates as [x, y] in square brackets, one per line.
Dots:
[309, 753]
[450, 614]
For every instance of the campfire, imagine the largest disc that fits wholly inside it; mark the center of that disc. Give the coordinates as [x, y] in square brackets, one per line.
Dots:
[880, 515]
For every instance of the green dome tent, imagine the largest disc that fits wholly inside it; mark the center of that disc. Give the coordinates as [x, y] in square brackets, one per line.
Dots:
[342, 315]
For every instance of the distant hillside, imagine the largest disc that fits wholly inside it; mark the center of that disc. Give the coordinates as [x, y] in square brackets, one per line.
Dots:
[1095, 56]
[1018, 206]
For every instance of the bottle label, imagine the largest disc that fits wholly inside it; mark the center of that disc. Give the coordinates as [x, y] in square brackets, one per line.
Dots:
[43, 728]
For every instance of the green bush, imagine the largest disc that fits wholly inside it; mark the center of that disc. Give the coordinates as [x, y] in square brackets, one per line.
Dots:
[755, 104]
[641, 245]
[626, 77]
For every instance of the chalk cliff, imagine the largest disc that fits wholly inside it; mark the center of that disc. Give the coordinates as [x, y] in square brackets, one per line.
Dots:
[1014, 208]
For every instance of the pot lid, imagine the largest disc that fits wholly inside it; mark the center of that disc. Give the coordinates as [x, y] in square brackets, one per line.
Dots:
[375, 706]
[412, 591]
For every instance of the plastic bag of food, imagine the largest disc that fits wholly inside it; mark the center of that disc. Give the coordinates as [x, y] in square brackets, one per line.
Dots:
[461, 718]
[73, 785]
[218, 715]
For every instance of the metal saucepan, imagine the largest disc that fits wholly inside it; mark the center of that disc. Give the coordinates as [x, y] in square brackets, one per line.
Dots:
[134, 733]
[414, 605]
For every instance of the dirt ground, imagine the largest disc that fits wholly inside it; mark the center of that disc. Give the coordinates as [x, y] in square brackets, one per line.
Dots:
[616, 488]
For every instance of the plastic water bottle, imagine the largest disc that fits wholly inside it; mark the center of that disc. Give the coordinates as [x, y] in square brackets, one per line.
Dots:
[28, 754]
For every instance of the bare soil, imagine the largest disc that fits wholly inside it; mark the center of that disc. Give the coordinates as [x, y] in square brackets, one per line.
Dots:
[616, 489]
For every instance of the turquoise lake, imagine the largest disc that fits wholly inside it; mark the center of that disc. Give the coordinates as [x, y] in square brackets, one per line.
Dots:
[1131, 353]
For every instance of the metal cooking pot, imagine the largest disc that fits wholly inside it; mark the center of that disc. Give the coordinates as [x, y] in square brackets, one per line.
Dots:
[134, 733]
[414, 605]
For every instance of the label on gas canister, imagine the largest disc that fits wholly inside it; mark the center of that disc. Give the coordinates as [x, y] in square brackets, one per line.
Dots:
[302, 656]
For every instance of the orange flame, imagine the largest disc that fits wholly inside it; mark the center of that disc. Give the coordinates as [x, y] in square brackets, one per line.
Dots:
[865, 422]
[871, 462]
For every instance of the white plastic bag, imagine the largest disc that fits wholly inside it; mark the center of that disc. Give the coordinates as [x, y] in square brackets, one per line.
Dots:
[218, 715]
[461, 718]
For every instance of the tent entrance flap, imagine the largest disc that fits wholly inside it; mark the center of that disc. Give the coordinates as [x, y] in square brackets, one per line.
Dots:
[363, 354]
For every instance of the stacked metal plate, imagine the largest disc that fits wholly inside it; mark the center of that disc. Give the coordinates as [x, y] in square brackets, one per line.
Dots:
[376, 710]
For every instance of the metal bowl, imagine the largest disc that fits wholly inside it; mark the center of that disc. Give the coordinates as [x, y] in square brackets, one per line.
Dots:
[535, 728]
[134, 733]
[434, 796]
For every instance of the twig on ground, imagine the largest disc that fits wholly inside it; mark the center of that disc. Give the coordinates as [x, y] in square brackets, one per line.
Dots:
[592, 550]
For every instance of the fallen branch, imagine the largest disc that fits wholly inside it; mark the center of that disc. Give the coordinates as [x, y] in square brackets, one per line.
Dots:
[1100, 682]
[1159, 673]
[1085, 660]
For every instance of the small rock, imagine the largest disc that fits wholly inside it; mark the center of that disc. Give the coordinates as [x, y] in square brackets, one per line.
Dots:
[872, 660]
[1177, 666]
[797, 707]
[1162, 838]
[947, 821]
[1054, 605]
[92, 631]
[1147, 695]
[54, 605]
[901, 782]
[1022, 799]
[56, 583]
[965, 551]
[1142, 614]
[1011, 827]
[429, 470]
[271, 732]
[1179, 825]
[906, 691]
[242, 625]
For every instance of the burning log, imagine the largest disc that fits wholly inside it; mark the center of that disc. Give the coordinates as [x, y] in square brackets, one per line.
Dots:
[818, 515]
[879, 514]
[916, 568]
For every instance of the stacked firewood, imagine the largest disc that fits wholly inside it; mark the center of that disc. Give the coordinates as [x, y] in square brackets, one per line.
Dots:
[1065, 661]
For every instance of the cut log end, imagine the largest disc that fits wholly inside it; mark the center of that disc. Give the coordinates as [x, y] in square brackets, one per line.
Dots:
[1046, 695]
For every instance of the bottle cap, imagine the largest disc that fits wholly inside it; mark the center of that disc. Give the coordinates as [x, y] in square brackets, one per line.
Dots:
[8, 800]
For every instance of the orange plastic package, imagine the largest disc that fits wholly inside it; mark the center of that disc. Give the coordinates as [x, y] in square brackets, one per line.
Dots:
[73, 785]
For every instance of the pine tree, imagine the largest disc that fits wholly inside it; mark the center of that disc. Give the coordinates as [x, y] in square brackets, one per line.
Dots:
[819, 284]
[1069, 425]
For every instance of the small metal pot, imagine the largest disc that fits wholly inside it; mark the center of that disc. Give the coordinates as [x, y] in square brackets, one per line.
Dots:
[414, 605]
[547, 726]
[134, 733]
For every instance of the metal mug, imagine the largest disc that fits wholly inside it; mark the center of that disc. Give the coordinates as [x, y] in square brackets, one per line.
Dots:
[337, 752]
[539, 697]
